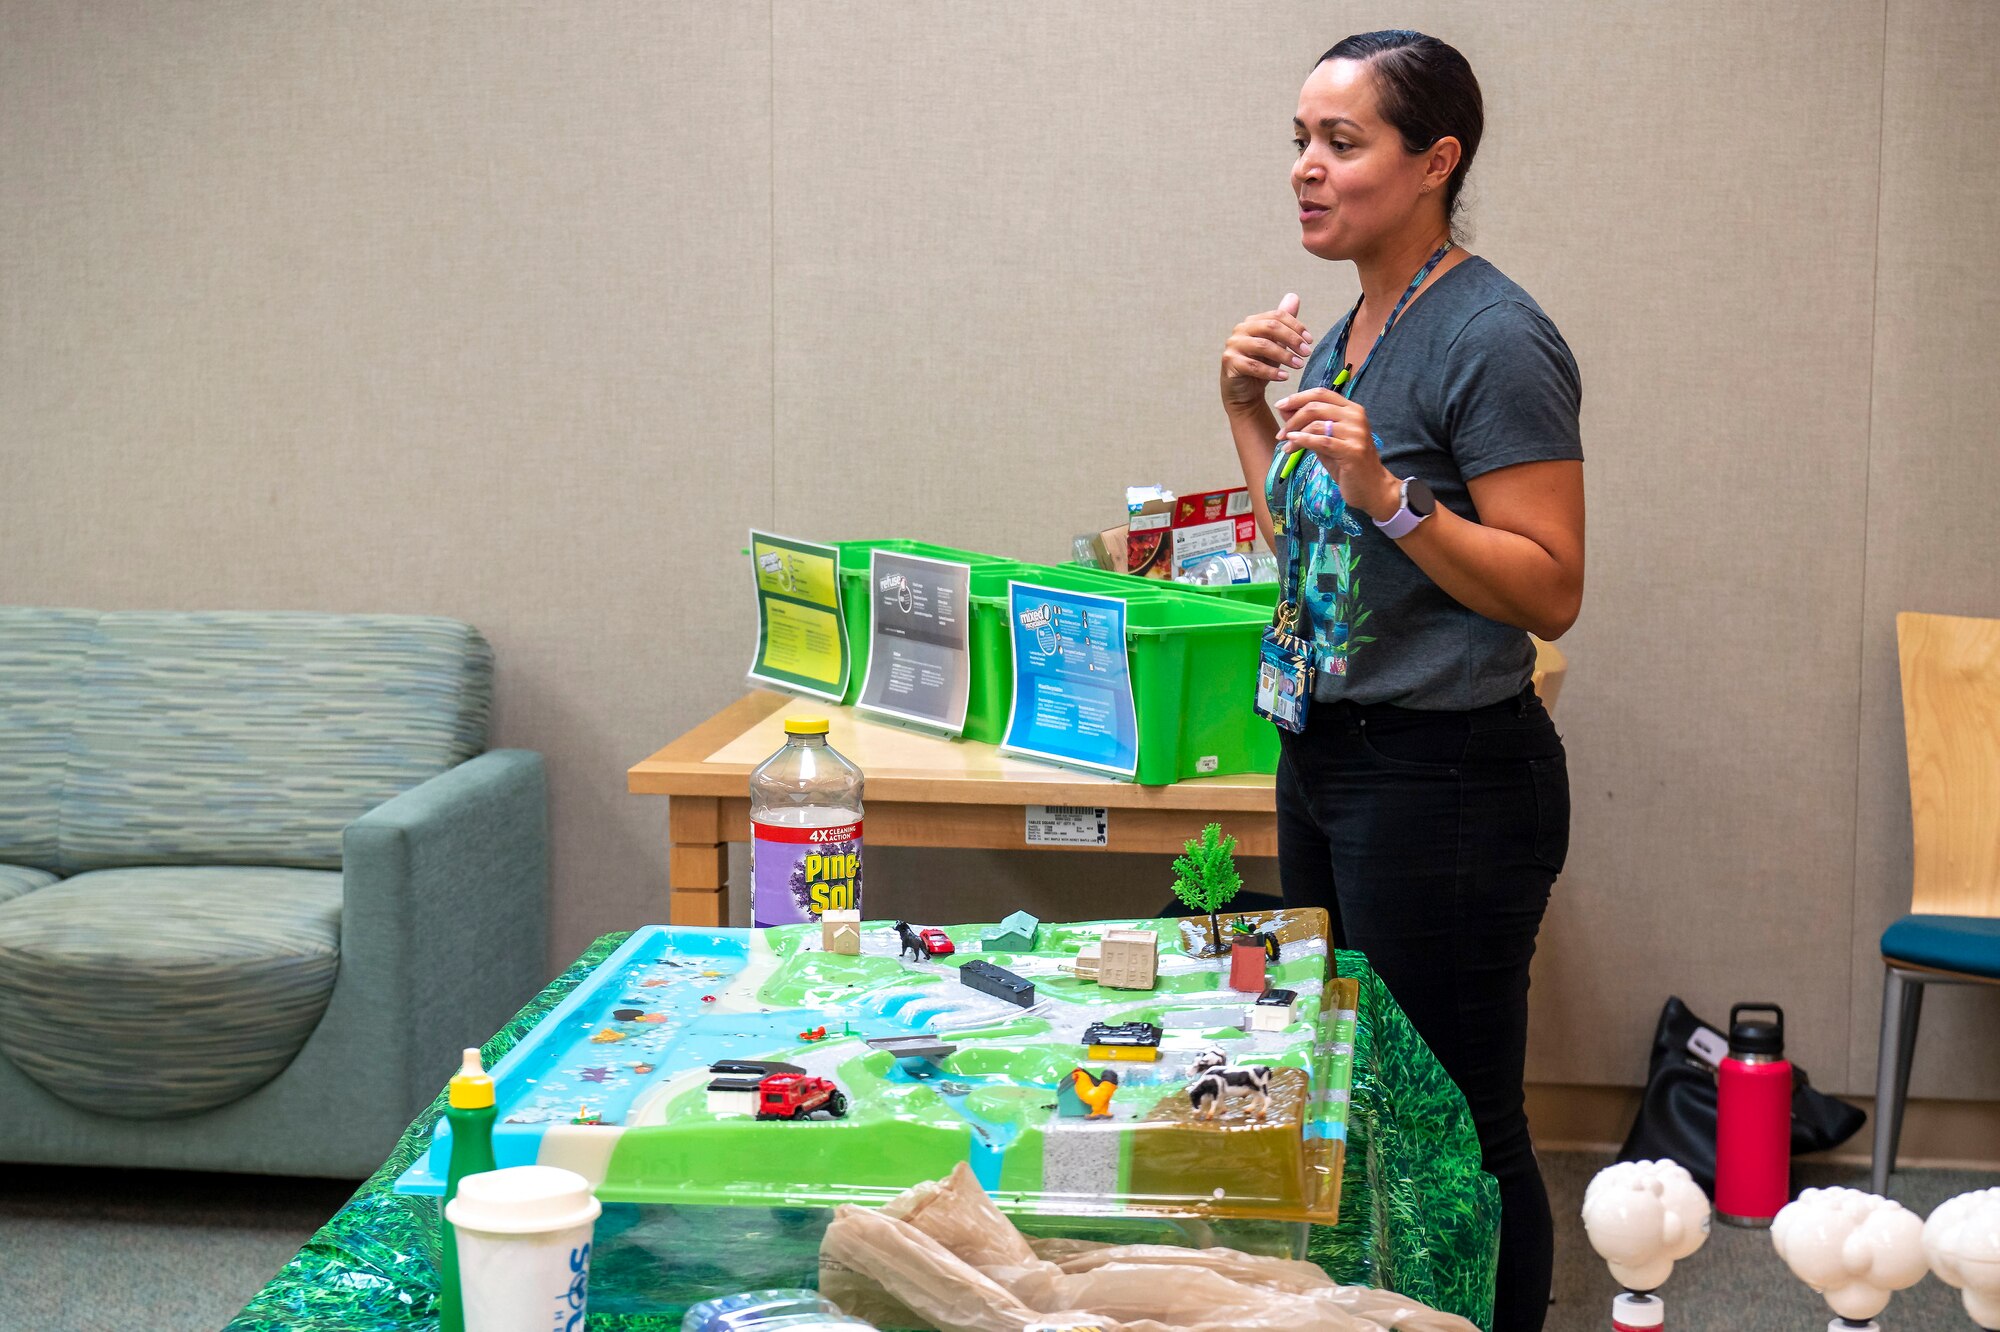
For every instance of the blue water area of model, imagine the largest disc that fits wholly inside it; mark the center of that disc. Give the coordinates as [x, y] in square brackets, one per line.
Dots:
[642, 1020]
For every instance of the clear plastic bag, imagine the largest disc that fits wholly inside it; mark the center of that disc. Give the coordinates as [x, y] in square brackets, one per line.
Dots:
[943, 1256]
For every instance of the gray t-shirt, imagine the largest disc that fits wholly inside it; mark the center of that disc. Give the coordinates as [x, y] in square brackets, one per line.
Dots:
[1474, 377]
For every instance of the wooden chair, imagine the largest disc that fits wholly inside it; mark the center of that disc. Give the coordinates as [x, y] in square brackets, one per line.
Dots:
[1951, 721]
[1550, 668]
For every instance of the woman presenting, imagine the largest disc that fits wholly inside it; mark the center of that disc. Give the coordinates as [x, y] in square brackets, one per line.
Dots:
[1423, 488]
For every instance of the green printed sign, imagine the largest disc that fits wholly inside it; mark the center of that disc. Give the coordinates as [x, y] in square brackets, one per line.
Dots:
[801, 639]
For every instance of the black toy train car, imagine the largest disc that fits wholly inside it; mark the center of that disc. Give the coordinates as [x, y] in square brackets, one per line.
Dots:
[997, 981]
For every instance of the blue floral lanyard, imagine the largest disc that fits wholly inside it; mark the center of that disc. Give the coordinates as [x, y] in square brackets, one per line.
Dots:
[1342, 383]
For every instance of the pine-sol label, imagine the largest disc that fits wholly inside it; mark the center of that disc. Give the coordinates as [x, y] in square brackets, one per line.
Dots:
[798, 873]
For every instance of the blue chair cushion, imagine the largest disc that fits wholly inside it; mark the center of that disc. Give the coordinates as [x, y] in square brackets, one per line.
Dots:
[149, 993]
[18, 879]
[1967, 944]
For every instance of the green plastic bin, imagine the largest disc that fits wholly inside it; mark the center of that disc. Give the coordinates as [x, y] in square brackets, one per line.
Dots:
[1252, 594]
[854, 599]
[1194, 672]
[991, 692]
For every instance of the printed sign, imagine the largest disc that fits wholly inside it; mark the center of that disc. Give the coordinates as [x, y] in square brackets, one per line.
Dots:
[801, 639]
[918, 667]
[1072, 686]
[1068, 825]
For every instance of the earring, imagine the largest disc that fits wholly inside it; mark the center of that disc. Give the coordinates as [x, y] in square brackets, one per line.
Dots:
[1425, 190]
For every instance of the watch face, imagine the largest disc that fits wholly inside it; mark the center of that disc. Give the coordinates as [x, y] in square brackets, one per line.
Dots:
[1417, 495]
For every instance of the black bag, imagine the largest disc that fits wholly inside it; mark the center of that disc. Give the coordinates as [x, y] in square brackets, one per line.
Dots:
[1677, 1114]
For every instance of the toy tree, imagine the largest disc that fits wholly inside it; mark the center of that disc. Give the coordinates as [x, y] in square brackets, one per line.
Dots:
[1205, 878]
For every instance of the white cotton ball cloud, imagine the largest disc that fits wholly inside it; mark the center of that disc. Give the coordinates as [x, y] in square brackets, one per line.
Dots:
[1852, 1247]
[1643, 1217]
[1962, 1241]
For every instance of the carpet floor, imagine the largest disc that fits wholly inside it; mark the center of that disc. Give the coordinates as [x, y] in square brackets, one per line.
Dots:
[111, 1251]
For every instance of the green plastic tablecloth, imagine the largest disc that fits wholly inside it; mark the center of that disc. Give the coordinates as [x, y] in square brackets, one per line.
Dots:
[1417, 1214]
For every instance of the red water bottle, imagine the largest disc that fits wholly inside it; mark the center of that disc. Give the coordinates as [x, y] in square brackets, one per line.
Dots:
[1753, 1120]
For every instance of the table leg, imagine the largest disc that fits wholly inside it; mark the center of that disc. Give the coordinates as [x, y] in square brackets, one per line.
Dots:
[697, 862]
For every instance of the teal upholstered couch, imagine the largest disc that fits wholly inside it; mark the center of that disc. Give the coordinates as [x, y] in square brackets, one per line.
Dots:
[259, 881]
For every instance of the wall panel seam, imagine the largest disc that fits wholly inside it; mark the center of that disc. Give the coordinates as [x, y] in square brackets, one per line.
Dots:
[1856, 971]
[771, 244]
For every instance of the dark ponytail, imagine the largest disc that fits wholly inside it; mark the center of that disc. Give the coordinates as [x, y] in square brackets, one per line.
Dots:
[1427, 93]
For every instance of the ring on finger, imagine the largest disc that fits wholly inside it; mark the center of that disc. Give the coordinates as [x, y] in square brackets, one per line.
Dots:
[1326, 427]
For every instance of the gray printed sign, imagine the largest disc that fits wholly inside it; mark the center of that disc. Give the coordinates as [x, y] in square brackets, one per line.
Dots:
[918, 667]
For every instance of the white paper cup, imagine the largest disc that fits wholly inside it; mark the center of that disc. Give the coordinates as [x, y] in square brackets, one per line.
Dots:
[524, 1248]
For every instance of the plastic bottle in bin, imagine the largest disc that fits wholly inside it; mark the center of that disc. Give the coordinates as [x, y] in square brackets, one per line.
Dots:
[1753, 1119]
[805, 829]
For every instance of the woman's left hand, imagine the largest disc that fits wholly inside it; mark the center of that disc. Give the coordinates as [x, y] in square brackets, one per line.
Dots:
[1336, 429]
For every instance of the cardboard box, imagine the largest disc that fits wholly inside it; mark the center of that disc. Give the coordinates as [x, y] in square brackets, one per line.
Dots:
[1164, 536]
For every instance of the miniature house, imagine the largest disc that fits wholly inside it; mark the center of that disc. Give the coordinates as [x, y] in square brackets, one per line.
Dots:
[1273, 1010]
[733, 1096]
[1016, 934]
[840, 932]
[1128, 959]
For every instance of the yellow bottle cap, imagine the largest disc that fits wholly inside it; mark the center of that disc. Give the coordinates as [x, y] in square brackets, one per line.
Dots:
[805, 726]
[471, 1088]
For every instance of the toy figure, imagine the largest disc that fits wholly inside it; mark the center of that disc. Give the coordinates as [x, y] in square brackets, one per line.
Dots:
[1095, 1092]
[1205, 878]
[921, 945]
[1215, 1080]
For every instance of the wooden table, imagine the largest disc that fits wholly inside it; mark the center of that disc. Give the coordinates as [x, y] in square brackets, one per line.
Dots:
[922, 791]
[927, 791]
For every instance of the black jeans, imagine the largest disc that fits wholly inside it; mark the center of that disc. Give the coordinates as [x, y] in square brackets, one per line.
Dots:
[1432, 839]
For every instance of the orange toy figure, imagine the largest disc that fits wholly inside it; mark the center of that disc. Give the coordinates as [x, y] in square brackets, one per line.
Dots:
[1095, 1092]
[816, 1034]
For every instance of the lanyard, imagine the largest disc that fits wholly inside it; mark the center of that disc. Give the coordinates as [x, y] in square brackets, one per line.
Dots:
[1347, 377]
[1343, 383]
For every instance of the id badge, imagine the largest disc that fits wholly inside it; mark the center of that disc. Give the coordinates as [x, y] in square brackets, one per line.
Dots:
[1284, 680]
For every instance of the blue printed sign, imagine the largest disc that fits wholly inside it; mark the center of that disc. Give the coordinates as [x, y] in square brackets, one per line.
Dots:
[1072, 686]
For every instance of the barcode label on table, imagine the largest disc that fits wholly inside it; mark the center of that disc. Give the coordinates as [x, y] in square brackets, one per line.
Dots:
[1067, 825]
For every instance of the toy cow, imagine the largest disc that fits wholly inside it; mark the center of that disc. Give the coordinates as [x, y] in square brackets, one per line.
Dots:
[1215, 1080]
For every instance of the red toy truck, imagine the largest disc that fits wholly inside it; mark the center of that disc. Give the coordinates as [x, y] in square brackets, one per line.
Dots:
[797, 1095]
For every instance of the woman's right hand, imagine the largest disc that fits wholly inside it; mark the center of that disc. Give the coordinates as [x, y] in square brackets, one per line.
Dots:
[1262, 349]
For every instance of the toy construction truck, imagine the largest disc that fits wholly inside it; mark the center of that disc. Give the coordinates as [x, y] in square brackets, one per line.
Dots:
[1131, 1041]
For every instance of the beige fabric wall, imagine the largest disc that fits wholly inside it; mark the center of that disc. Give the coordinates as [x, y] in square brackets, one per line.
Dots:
[523, 313]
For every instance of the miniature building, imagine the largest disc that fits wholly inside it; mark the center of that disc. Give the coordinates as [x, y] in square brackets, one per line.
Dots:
[1273, 1010]
[840, 932]
[733, 1096]
[1016, 934]
[997, 981]
[1128, 959]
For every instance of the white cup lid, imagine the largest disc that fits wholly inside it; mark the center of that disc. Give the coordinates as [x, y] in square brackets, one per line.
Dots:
[522, 1200]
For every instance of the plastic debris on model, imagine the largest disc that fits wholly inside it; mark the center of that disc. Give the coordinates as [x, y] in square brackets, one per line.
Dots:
[1853, 1248]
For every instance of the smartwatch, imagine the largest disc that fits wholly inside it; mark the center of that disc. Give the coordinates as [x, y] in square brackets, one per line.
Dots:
[1418, 504]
